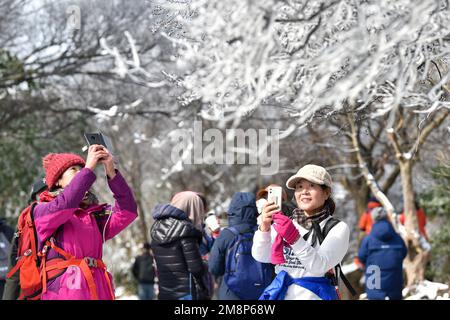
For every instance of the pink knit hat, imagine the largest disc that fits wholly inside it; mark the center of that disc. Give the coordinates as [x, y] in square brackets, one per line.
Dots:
[56, 163]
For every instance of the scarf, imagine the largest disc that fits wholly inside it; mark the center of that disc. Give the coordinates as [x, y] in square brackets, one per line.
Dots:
[312, 223]
[88, 199]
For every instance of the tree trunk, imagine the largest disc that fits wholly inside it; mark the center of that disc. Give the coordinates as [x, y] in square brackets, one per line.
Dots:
[416, 258]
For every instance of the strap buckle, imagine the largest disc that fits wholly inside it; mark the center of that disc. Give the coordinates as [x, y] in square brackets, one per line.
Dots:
[91, 262]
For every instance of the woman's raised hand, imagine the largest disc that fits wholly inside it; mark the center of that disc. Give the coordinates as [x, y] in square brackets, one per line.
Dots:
[268, 210]
[95, 153]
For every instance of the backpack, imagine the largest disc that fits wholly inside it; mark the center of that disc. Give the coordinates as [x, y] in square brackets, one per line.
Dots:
[244, 276]
[337, 272]
[5, 247]
[28, 261]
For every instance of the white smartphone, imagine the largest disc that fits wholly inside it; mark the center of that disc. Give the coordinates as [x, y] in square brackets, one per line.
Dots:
[275, 194]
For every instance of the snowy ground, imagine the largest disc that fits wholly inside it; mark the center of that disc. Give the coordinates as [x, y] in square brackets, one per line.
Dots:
[122, 295]
[425, 290]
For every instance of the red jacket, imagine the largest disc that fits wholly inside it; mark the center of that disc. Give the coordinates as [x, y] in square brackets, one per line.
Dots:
[421, 220]
[365, 222]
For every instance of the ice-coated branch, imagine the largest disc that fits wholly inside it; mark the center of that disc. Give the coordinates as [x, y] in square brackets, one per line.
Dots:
[311, 55]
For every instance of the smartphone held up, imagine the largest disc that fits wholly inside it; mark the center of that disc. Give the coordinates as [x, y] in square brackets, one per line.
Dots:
[275, 194]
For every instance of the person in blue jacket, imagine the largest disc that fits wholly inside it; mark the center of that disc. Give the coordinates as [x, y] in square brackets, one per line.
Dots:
[242, 214]
[382, 252]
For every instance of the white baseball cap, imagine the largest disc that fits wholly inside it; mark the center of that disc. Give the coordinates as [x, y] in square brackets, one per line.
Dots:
[312, 173]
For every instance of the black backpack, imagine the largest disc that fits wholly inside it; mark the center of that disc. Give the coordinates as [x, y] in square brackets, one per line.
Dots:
[334, 276]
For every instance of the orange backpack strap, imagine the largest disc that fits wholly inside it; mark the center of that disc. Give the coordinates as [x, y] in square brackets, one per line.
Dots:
[30, 223]
[108, 281]
[89, 278]
[84, 264]
[16, 267]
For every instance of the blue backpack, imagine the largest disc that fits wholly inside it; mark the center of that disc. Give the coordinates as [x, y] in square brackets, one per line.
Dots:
[244, 276]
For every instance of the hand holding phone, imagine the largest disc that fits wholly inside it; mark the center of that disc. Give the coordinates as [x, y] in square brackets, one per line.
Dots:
[95, 154]
[95, 138]
[275, 195]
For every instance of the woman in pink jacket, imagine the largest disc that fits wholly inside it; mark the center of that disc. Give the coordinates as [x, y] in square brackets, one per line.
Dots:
[72, 226]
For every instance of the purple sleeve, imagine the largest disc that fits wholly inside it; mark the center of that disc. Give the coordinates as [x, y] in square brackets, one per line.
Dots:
[49, 216]
[125, 207]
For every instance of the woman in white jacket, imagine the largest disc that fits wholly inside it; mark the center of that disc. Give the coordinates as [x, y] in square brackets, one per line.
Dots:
[302, 265]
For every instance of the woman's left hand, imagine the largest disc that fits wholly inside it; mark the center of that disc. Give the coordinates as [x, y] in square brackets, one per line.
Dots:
[108, 162]
[285, 228]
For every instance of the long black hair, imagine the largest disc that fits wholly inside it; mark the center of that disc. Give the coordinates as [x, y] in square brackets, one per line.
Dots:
[329, 203]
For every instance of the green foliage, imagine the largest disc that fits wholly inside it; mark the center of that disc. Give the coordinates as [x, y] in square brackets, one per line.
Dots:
[12, 69]
[30, 138]
[439, 267]
[436, 202]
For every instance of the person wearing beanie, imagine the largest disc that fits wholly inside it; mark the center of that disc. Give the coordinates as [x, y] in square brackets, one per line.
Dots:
[72, 225]
[308, 251]
[382, 252]
[365, 221]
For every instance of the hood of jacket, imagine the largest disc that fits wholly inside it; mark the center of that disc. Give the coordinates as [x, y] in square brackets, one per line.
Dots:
[383, 230]
[162, 211]
[242, 209]
[171, 224]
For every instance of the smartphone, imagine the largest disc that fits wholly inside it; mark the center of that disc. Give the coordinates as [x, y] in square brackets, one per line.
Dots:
[275, 194]
[95, 138]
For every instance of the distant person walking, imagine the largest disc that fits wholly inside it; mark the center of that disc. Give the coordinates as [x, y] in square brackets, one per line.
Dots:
[382, 253]
[144, 272]
[6, 236]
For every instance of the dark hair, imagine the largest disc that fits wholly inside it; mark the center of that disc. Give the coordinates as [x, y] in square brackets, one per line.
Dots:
[329, 202]
[147, 246]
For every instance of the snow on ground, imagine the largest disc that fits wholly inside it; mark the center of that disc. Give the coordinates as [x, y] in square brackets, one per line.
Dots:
[121, 294]
[427, 290]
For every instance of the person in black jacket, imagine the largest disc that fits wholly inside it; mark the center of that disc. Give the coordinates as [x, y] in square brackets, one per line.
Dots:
[176, 235]
[144, 272]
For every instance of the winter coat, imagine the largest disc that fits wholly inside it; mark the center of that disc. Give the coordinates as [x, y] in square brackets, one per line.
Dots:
[11, 289]
[6, 235]
[383, 248]
[175, 246]
[81, 232]
[302, 259]
[6, 230]
[143, 270]
[242, 214]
